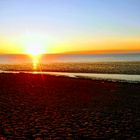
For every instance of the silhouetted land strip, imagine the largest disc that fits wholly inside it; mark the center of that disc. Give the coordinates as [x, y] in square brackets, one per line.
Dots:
[49, 107]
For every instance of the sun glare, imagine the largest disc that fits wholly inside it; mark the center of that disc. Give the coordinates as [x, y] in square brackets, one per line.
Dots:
[35, 61]
[35, 51]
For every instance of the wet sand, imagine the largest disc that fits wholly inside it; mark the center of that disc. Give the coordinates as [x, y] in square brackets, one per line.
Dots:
[42, 107]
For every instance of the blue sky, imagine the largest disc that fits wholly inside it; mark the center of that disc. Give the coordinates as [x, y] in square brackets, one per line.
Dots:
[94, 15]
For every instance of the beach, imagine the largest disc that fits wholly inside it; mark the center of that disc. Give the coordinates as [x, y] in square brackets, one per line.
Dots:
[45, 107]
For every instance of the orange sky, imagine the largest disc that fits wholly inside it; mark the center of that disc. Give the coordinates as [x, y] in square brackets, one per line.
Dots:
[21, 45]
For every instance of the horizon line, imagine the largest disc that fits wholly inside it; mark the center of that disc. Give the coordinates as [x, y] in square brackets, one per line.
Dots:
[83, 52]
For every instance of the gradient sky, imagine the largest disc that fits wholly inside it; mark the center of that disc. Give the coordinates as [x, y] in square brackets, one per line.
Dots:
[69, 25]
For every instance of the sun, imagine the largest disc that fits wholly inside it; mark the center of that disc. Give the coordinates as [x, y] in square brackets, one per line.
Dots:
[35, 50]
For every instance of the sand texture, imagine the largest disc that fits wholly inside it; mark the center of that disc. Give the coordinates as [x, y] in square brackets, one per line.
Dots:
[43, 107]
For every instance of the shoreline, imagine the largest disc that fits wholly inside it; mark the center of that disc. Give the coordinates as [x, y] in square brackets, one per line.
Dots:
[126, 78]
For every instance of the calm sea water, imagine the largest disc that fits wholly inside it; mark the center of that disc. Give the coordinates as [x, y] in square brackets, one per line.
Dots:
[18, 59]
[118, 67]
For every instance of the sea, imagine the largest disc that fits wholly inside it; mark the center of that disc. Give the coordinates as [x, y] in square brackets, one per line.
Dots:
[48, 58]
[112, 67]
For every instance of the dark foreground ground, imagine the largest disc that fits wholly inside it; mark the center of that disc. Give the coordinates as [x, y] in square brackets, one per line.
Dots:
[42, 107]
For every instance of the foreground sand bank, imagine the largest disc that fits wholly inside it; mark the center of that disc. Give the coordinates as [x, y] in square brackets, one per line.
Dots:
[50, 107]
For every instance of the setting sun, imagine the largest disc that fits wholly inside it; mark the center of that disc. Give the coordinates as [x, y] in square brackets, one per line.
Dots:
[34, 48]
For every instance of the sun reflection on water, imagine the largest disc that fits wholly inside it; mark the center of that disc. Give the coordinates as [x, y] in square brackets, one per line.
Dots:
[35, 61]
